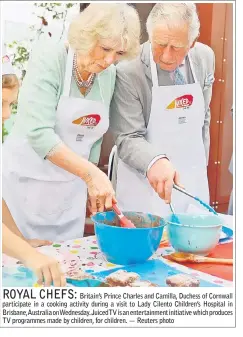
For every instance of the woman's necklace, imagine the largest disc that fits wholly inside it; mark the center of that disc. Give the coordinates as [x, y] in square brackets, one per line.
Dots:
[78, 78]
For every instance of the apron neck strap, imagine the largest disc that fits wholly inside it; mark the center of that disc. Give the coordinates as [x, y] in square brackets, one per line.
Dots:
[68, 72]
[192, 68]
[153, 68]
[100, 87]
[154, 72]
[68, 75]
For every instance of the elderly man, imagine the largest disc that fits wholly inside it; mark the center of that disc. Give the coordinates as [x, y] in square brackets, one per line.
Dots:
[160, 114]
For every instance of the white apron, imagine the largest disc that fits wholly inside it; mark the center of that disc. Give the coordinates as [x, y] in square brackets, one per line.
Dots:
[46, 201]
[175, 129]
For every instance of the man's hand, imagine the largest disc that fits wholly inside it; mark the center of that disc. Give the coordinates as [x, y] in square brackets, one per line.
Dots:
[162, 176]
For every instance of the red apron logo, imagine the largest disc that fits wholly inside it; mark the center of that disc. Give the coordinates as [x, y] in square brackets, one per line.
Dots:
[89, 120]
[181, 102]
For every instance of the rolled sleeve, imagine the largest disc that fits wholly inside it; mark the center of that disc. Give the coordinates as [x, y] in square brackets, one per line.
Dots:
[39, 98]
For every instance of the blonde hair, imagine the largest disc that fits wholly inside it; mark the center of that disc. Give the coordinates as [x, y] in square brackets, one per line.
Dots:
[10, 81]
[116, 21]
[174, 14]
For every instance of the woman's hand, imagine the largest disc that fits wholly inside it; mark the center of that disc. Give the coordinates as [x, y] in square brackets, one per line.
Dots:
[47, 270]
[100, 191]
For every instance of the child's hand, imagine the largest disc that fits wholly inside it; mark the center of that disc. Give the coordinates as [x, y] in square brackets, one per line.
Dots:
[47, 270]
[38, 243]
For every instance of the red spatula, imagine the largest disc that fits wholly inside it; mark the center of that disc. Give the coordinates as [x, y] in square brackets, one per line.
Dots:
[123, 220]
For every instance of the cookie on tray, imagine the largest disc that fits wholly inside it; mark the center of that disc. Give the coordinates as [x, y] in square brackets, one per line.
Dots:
[142, 283]
[79, 275]
[121, 278]
[182, 280]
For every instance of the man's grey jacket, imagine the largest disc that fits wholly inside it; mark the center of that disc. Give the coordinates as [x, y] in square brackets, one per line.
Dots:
[131, 104]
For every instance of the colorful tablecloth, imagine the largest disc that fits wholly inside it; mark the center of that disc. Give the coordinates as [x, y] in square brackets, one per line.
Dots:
[86, 251]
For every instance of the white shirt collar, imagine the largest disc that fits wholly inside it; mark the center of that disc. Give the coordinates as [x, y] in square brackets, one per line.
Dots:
[182, 63]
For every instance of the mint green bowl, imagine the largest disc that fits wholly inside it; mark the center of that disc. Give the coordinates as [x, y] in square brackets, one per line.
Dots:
[196, 234]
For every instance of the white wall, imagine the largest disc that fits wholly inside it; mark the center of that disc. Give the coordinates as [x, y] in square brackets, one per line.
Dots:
[17, 17]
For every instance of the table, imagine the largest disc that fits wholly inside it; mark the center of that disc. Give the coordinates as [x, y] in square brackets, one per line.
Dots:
[91, 259]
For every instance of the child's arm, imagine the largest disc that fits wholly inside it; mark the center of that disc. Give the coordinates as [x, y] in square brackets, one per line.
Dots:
[46, 268]
[11, 225]
[9, 221]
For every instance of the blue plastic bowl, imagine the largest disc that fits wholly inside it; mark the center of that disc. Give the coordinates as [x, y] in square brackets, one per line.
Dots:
[125, 246]
[197, 234]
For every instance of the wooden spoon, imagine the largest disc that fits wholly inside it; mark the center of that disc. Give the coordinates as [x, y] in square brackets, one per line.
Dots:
[186, 257]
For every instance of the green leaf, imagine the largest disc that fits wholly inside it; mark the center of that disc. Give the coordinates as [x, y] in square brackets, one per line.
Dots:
[69, 5]
[4, 133]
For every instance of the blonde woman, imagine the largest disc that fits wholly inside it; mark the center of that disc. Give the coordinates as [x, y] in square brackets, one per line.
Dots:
[63, 113]
[14, 244]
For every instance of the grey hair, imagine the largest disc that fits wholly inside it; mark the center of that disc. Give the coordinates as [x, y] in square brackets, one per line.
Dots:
[117, 21]
[175, 14]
